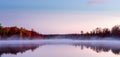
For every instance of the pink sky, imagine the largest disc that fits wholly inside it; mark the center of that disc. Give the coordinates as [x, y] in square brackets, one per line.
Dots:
[61, 22]
[60, 16]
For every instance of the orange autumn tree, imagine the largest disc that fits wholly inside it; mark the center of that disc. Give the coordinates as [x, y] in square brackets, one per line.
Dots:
[6, 32]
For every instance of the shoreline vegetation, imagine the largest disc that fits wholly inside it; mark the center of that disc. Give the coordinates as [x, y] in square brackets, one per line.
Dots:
[22, 33]
[98, 33]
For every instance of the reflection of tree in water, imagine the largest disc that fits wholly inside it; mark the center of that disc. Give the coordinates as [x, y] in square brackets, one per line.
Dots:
[99, 48]
[21, 48]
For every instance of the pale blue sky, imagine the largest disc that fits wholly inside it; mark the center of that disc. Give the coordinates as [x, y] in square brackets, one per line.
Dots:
[60, 5]
[60, 16]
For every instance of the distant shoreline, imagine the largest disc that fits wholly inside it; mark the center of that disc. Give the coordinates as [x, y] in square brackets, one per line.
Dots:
[22, 33]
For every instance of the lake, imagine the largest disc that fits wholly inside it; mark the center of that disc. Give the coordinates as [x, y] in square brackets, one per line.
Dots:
[60, 48]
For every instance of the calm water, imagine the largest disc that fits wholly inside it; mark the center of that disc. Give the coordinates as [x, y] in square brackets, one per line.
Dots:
[60, 49]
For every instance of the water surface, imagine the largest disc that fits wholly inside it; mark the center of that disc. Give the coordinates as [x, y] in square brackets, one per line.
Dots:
[60, 48]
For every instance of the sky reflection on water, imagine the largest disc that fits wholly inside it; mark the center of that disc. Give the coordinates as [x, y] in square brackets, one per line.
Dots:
[60, 50]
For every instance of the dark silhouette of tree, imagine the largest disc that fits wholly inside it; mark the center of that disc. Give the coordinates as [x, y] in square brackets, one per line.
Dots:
[82, 32]
[116, 31]
[106, 32]
[1, 30]
[1, 27]
[98, 33]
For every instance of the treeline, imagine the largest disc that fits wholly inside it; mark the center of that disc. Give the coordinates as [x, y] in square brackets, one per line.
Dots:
[103, 32]
[98, 33]
[6, 32]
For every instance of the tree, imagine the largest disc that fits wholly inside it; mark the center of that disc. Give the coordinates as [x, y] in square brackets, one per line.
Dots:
[6, 31]
[116, 31]
[98, 30]
[1, 30]
[106, 32]
[82, 33]
[21, 32]
[1, 27]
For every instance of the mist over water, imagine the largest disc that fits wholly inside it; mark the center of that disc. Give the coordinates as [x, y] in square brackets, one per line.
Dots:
[62, 40]
[60, 47]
